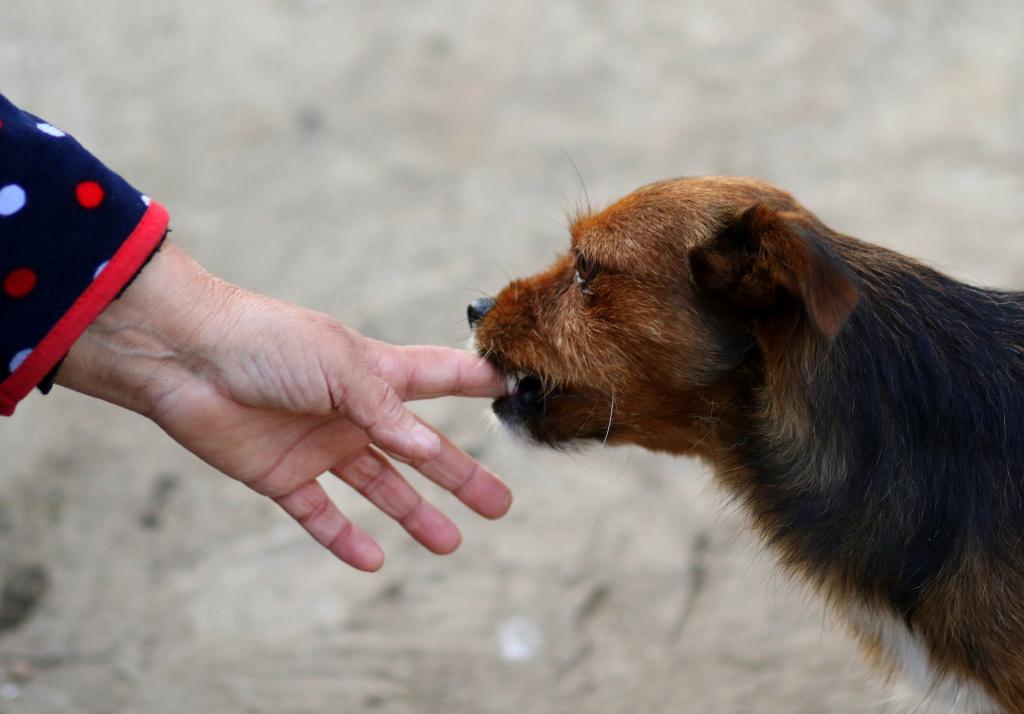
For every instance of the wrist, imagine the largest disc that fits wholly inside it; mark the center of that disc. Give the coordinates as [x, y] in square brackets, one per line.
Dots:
[147, 342]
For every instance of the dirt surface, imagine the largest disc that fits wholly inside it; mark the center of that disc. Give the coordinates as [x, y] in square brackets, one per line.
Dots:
[385, 162]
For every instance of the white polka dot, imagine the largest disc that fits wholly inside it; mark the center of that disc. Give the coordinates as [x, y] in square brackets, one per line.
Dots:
[18, 359]
[146, 199]
[100, 269]
[12, 199]
[49, 129]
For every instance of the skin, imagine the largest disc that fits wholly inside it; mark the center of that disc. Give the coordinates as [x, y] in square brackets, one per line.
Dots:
[274, 395]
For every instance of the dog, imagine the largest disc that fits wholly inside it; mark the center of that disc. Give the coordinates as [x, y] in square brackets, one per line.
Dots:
[864, 408]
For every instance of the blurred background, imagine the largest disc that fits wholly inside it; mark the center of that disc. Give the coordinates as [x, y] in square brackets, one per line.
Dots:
[386, 162]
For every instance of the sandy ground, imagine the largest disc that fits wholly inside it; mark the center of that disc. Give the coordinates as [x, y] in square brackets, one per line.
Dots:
[384, 162]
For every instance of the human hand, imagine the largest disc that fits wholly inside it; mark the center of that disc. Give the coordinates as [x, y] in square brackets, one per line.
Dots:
[274, 395]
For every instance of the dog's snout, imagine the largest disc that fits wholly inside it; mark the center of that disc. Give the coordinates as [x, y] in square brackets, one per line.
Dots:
[477, 309]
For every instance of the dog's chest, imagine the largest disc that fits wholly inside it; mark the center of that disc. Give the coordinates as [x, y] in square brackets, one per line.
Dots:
[907, 653]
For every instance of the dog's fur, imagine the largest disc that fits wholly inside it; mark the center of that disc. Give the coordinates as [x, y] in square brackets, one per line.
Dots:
[865, 408]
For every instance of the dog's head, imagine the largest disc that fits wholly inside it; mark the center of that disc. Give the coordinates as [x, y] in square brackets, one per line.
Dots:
[638, 333]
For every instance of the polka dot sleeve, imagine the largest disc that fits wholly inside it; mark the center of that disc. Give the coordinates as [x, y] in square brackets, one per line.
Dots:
[72, 235]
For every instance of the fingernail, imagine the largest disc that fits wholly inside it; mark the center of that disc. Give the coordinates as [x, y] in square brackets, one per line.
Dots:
[504, 509]
[426, 440]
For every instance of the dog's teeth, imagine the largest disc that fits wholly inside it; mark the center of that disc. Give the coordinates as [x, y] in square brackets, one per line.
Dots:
[512, 380]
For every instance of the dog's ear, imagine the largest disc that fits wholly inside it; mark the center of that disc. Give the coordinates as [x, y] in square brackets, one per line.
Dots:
[764, 261]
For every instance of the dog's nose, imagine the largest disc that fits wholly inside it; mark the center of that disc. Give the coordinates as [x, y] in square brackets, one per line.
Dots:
[477, 309]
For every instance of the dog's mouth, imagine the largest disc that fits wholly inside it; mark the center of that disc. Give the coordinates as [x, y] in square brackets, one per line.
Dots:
[526, 390]
[542, 408]
[523, 408]
[526, 387]
[547, 411]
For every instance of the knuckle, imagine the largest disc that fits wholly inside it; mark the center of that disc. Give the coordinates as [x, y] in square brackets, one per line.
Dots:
[370, 472]
[413, 512]
[344, 532]
[465, 482]
[337, 391]
[390, 409]
[316, 508]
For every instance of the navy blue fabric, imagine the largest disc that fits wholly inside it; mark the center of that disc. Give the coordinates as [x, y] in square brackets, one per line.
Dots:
[76, 213]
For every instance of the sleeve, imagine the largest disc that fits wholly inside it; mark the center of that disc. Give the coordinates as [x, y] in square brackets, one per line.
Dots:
[72, 235]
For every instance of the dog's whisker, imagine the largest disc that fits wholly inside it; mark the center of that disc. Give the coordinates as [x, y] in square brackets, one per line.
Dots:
[586, 421]
[483, 359]
[579, 176]
[479, 291]
[611, 415]
[508, 278]
[562, 225]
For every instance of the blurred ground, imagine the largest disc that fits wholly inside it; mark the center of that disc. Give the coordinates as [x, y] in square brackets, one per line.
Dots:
[383, 162]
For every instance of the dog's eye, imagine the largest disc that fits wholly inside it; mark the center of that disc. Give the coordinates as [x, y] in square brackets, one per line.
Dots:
[585, 271]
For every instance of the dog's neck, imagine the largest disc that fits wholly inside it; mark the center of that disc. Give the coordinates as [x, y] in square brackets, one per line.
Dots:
[878, 459]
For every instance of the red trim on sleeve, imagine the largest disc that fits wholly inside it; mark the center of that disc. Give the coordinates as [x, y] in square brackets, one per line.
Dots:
[132, 254]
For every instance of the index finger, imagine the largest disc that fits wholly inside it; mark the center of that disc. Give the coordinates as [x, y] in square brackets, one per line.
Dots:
[426, 372]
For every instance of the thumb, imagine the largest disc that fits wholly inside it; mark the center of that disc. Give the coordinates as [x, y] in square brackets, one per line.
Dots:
[374, 406]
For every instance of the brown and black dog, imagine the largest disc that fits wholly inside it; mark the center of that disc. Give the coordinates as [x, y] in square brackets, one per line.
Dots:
[866, 409]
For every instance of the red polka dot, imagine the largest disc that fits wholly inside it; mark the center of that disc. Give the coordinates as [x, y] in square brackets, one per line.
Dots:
[89, 194]
[20, 282]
